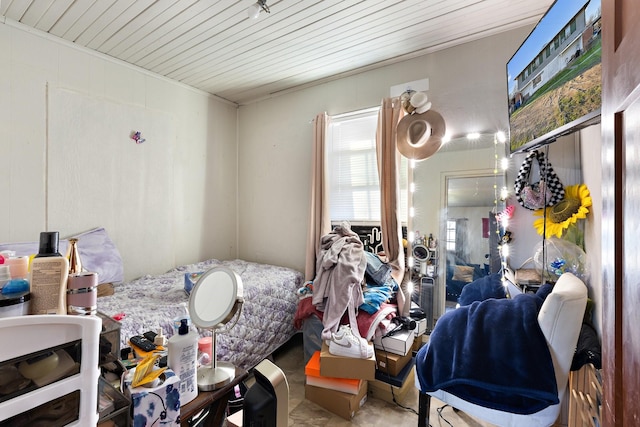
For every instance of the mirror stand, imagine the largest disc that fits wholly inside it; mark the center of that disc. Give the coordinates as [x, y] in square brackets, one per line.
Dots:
[217, 374]
[215, 300]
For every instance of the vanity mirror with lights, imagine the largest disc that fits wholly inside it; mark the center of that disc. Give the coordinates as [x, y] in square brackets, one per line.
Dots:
[456, 195]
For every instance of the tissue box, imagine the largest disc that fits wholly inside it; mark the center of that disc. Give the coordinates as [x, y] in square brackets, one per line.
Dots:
[151, 405]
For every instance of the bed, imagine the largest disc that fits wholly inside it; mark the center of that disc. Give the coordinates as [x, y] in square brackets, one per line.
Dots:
[266, 322]
[459, 274]
[152, 302]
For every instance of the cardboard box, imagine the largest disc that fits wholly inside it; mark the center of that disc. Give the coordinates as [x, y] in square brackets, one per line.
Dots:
[399, 343]
[419, 342]
[383, 391]
[343, 404]
[421, 327]
[397, 380]
[391, 363]
[346, 385]
[386, 387]
[346, 367]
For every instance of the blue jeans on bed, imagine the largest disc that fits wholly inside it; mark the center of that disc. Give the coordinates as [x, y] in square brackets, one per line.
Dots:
[377, 270]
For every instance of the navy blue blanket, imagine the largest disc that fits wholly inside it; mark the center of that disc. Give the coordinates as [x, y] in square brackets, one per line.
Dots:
[491, 353]
[486, 287]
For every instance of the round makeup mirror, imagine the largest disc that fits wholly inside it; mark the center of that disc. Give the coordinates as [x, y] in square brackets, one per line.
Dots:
[214, 301]
[421, 253]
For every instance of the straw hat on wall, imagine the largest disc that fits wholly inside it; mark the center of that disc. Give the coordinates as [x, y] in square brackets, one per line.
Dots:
[419, 134]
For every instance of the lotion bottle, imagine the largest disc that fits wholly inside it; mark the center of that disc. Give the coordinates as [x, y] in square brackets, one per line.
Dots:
[182, 359]
[48, 277]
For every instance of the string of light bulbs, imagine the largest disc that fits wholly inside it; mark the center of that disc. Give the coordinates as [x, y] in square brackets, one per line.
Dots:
[501, 165]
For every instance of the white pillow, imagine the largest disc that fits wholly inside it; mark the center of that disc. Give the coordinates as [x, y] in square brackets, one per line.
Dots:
[98, 253]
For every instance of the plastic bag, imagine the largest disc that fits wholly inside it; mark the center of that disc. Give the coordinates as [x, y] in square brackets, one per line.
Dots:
[561, 256]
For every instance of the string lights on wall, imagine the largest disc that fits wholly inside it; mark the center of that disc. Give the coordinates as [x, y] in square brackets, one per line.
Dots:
[411, 235]
[502, 216]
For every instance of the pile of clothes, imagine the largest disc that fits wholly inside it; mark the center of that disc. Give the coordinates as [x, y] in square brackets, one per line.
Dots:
[352, 287]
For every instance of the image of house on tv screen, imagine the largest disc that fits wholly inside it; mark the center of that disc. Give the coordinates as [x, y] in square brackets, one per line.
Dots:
[555, 78]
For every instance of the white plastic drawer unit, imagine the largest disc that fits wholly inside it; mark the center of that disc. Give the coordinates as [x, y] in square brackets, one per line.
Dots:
[49, 370]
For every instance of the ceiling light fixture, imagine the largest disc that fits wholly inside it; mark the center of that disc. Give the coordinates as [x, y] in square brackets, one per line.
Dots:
[254, 10]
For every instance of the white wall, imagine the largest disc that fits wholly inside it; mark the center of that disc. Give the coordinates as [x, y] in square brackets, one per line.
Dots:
[576, 159]
[591, 160]
[188, 185]
[467, 85]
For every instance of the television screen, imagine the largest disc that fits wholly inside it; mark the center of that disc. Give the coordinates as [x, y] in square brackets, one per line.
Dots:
[554, 78]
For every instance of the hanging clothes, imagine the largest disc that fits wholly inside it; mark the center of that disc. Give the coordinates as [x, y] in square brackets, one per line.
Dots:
[340, 269]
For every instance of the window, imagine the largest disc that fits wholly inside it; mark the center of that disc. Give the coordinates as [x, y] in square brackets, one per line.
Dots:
[352, 170]
[451, 235]
[537, 80]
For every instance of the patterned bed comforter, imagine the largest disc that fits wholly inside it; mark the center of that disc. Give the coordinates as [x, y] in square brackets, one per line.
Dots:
[266, 322]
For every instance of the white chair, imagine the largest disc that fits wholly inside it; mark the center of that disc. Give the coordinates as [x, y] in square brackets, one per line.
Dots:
[560, 319]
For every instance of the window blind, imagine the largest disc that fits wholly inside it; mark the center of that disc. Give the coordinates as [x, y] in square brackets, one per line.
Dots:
[352, 171]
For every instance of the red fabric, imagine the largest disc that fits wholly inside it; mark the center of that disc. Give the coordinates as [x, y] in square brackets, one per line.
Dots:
[306, 309]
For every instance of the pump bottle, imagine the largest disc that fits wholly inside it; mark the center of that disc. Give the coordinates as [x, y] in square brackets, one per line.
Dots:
[48, 277]
[183, 360]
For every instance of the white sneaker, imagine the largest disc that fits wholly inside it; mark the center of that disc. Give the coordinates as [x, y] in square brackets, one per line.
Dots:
[344, 343]
[341, 331]
[339, 334]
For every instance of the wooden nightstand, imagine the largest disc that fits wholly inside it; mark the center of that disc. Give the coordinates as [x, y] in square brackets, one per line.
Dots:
[210, 404]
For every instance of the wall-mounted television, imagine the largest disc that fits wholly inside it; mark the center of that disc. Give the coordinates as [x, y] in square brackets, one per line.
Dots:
[554, 78]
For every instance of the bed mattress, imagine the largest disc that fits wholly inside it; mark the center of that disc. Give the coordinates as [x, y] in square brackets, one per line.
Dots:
[150, 303]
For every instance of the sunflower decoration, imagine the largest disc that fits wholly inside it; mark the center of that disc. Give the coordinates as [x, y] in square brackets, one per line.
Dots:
[564, 214]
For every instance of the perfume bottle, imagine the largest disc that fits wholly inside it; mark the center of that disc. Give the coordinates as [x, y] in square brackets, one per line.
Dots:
[75, 263]
[82, 286]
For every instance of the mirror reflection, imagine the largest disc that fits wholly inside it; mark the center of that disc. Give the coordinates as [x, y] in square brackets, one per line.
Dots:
[455, 197]
[469, 228]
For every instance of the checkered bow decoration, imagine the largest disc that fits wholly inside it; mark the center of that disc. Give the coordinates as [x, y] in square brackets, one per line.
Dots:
[546, 192]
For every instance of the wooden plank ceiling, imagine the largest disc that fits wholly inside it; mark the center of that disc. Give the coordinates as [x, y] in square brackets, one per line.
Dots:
[214, 46]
